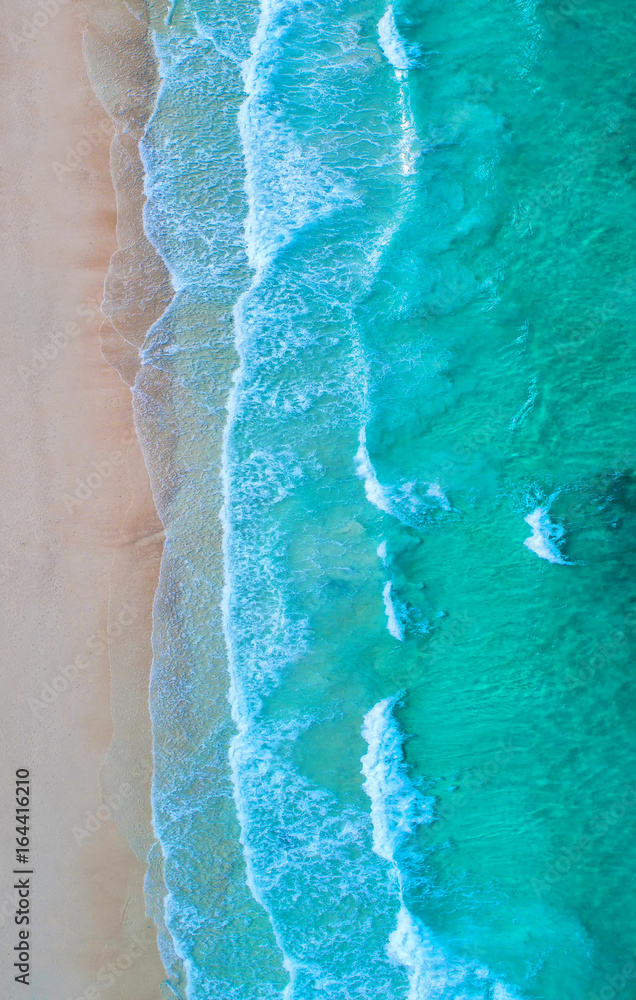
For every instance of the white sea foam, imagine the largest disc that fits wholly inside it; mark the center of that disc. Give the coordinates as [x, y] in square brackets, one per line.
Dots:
[227, 33]
[429, 972]
[402, 57]
[392, 44]
[364, 467]
[381, 551]
[288, 186]
[409, 143]
[287, 182]
[546, 537]
[432, 973]
[527, 407]
[435, 490]
[397, 807]
[393, 623]
[406, 501]
[300, 842]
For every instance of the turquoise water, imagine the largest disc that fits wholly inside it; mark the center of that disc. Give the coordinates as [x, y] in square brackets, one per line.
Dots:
[389, 421]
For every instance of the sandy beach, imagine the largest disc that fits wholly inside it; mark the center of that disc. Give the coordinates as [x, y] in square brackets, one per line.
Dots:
[80, 542]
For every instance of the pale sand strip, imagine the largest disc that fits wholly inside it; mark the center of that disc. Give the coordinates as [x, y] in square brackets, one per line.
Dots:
[80, 543]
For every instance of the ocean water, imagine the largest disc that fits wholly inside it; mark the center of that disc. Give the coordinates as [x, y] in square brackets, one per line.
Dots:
[389, 421]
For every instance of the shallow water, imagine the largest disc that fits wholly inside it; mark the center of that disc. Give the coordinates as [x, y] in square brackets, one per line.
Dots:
[408, 232]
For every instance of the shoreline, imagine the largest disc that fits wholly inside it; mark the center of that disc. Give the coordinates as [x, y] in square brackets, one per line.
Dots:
[82, 542]
[181, 396]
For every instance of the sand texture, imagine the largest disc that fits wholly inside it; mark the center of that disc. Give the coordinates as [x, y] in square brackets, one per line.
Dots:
[80, 541]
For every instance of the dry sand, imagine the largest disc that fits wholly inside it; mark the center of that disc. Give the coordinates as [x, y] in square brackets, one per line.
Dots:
[80, 541]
